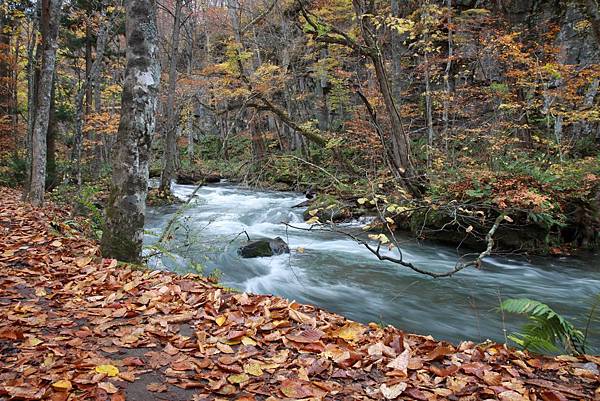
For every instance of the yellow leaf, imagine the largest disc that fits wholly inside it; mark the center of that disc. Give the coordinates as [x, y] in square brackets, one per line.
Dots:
[237, 379]
[253, 369]
[350, 331]
[220, 320]
[248, 341]
[312, 220]
[300, 249]
[63, 385]
[33, 342]
[108, 370]
[361, 201]
[313, 212]
[389, 220]
[40, 292]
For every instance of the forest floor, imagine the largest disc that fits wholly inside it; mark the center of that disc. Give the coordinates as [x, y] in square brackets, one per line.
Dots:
[76, 326]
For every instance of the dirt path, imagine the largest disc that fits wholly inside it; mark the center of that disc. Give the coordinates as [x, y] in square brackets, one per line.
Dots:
[76, 326]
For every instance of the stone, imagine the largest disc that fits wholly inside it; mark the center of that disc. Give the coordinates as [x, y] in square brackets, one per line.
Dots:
[264, 248]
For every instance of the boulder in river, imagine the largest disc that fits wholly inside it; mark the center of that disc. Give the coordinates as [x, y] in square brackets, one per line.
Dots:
[196, 178]
[264, 247]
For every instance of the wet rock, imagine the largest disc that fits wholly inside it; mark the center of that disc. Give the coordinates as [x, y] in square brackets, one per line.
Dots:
[264, 248]
[196, 178]
[188, 179]
[212, 178]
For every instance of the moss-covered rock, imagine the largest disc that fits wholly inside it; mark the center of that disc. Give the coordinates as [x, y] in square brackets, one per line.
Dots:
[328, 208]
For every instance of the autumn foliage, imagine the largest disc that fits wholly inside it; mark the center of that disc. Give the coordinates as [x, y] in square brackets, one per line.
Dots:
[81, 327]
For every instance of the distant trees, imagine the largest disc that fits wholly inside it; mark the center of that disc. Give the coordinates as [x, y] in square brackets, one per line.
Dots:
[123, 235]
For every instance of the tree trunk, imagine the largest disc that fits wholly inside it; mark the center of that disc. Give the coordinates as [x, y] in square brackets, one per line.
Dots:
[52, 9]
[51, 177]
[170, 149]
[86, 92]
[400, 140]
[123, 235]
[5, 68]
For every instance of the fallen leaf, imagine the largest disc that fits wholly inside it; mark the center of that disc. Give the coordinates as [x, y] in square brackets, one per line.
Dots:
[108, 387]
[253, 369]
[83, 261]
[350, 331]
[400, 362]
[62, 385]
[220, 320]
[156, 387]
[238, 378]
[393, 391]
[295, 388]
[109, 370]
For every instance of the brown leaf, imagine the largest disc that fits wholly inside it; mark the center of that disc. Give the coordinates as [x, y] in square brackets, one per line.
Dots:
[550, 395]
[306, 336]
[295, 388]
[439, 352]
[156, 387]
[108, 387]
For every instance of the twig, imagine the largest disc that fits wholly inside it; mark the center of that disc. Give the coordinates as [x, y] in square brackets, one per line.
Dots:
[177, 214]
[460, 264]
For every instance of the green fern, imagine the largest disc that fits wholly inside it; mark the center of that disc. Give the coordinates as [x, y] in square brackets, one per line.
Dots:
[547, 331]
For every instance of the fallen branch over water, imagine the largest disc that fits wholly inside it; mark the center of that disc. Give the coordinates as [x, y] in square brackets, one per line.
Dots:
[460, 264]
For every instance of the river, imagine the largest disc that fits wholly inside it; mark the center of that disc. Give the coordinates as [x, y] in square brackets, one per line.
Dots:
[331, 271]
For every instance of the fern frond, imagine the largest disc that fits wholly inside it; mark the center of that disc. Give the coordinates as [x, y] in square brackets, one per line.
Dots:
[546, 328]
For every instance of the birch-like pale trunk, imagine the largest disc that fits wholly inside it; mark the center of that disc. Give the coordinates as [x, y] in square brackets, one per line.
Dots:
[122, 237]
[44, 92]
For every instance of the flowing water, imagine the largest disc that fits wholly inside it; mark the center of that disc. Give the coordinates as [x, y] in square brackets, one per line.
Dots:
[333, 272]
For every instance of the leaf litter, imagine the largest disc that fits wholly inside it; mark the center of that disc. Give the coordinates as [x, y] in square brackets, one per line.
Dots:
[79, 327]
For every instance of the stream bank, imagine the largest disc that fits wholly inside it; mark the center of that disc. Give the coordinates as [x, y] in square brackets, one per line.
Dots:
[332, 271]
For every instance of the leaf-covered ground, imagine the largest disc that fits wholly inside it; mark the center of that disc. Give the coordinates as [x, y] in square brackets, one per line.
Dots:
[76, 326]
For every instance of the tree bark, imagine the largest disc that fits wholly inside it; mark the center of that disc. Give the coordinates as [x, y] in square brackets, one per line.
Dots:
[122, 237]
[170, 143]
[5, 67]
[52, 8]
[85, 91]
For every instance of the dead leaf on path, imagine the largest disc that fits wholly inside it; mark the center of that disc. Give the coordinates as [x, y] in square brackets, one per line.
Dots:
[83, 261]
[511, 396]
[108, 387]
[295, 388]
[108, 370]
[62, 385]
[392, 392]
[156, 387]
[238, 378]
[253, 369]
